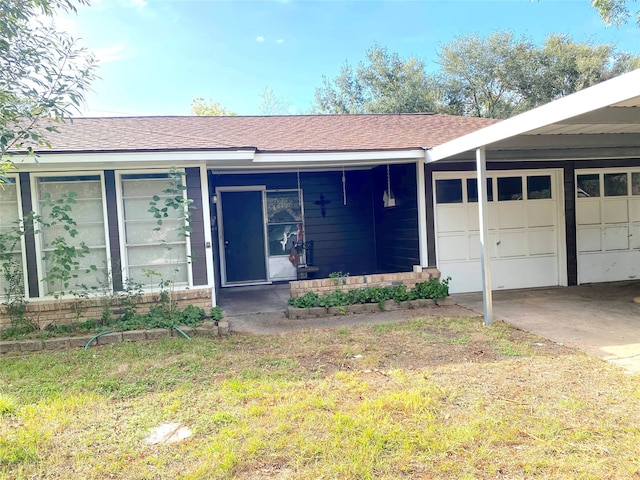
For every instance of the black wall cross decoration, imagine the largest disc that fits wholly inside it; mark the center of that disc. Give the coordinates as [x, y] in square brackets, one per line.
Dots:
[322, 203]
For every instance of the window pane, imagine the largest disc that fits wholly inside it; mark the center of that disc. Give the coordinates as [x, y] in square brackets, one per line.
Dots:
[472, 190]
[281, 238]
[87, 212]
[283, 207]
[538, 186]
[449, 191]
[509, 188]
[615, 184]
[10, 247]
[635, 183]
[151, 247]
[588, 185]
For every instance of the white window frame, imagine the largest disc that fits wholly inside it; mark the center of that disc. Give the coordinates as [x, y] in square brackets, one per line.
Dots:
[15, 178]
[35, 202]
[124, 265]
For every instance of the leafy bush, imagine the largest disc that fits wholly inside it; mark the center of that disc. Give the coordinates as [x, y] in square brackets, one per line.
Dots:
[432, 289]
[216, 313]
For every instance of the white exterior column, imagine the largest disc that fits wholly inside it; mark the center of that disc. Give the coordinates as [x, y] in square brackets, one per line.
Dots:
[422, 213]
[206, 213]
[487, 298]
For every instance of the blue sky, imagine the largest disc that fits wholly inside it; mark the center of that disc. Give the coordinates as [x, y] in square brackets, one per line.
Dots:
[156, 56]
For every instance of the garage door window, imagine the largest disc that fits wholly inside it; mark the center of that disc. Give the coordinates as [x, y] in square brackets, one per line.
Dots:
[472, 190]
[538, 187]
[588, 185]
[509, 188]
[635, 183]
[615, 184]
[449, 191]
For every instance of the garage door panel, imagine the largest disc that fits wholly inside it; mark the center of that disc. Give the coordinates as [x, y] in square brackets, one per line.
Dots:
[474, 246]
[615, 238]
[541, 213]
[451, 218]
[452, 247]
[634, 236]
[512, 244]
[634, 209]
[542, 242]
[589, 239]
[608, 266]
[511, 214]
[615, 211]
[588, 212]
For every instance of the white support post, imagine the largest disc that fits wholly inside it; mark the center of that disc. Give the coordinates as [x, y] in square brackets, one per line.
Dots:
[422, 213]
[487, 299]
[206, 213]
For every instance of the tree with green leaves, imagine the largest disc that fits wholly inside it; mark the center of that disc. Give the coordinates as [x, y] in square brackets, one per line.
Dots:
[384, 83]
[44, 75]
[204, 108]
[615, 12]
[500, 75]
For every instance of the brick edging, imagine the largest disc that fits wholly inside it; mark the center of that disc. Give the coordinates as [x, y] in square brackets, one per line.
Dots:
[207, 328]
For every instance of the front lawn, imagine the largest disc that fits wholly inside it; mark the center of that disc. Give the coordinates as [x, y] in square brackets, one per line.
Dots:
[429, 398]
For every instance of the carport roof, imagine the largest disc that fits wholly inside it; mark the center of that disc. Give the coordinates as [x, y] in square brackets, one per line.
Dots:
[602, 121]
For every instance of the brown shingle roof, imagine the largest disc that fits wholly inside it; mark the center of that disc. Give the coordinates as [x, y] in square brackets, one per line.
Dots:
[299, 133]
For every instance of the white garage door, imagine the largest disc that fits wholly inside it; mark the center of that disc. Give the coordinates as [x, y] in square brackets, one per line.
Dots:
[525, 236]
[608, 224]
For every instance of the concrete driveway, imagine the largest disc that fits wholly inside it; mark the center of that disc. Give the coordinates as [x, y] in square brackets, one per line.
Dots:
[601, 319]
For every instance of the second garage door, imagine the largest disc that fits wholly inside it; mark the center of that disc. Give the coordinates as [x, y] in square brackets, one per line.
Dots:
[608, 224]
[525, 234]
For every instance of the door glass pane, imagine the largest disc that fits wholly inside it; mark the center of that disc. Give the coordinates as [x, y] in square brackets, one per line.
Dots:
[615, 184]
[588, 185]
[509, 188]
[538, 186]
[635, 183]
[472, 190]
[281, 238]
[283, 207]
[284, 216]
[449, 191]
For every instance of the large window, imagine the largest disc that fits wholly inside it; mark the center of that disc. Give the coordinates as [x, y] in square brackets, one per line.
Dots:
[284, 221]
[11, 241]
[81, 199]
[153, 252]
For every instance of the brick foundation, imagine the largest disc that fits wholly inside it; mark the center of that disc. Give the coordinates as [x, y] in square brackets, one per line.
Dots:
[328, 285]
[47, 311]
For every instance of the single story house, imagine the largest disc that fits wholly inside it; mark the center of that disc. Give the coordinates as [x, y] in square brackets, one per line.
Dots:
[560, 193]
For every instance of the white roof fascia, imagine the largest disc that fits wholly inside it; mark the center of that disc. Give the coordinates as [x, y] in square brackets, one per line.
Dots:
[373, 157]
[133, 157]
[616, 90]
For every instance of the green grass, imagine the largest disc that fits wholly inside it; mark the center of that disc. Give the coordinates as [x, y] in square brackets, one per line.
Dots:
[430, 398]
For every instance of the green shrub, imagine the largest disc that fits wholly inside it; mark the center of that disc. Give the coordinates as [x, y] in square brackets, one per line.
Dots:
[433, 289]
[216, 313]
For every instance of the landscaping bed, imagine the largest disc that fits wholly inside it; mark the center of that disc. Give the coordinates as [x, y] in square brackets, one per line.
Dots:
[370, 300]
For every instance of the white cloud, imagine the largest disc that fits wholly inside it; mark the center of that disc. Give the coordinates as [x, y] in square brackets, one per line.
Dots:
[280, 40]
[110, 54]
[139, 3]
[260, 39]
